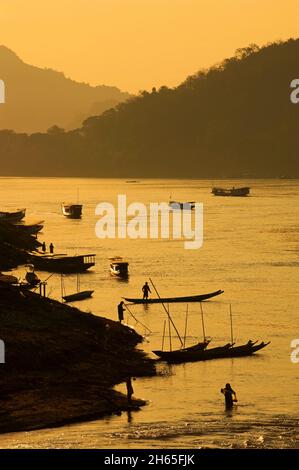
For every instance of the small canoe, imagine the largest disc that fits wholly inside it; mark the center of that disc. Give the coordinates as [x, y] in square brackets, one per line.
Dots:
[78, 296]
[168, 300]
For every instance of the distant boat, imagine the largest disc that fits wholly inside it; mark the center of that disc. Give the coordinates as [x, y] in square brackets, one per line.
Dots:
[119, 267]
[182, 205]
[168, 300]
[241, 192]
[201, 354]
[12, 216]
[79, 295]
[61, 263]
[72, 211]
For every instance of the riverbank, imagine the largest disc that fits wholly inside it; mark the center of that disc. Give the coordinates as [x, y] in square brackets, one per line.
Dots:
[61, 364]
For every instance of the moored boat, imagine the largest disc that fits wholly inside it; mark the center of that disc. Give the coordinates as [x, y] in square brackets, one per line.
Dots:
[78, 296]
[12, 216]
[226, 351]
[31, 229]
[119, 267]
[61, 263]
[168, 300]
[72, 211]
[241, 192]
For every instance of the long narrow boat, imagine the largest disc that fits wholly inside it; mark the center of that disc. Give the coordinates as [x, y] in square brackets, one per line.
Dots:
[229, 350]
[86, 294]
[168, 300]
[12, 216]
[31, 229]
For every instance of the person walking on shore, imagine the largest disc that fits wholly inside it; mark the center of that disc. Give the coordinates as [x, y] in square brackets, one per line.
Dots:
[51, 248]
[130, 390]
[120, 310]
[44, 247]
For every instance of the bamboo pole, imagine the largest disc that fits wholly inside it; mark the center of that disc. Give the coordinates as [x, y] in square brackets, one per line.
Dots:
[231, 324]
[169, 317]
[169, 334]
[163, 335]
[186, 319]
[203, 323]
[137, 321]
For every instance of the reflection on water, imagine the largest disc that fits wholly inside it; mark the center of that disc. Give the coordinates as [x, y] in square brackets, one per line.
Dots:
[250, 251]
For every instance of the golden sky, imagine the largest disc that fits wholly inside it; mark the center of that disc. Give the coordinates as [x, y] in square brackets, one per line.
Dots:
[138, 44]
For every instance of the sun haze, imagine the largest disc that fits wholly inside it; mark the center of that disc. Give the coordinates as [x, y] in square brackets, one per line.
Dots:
[138, 44]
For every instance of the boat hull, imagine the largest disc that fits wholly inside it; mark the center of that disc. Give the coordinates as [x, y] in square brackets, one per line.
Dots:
[227, 351]
[62, 264]
[236, 192]
[12, 216]
[78, 296]
[168, 300]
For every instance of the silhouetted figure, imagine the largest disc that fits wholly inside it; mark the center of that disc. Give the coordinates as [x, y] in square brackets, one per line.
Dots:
[120, 310]
[44, 247]
[228, 393]
[146, 290]
[51, 248]
[130, 390]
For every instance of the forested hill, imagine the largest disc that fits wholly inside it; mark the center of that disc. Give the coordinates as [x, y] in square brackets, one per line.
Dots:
[37, 98]
[235, 119]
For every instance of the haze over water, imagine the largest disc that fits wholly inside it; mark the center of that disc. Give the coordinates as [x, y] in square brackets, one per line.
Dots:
[250, 251]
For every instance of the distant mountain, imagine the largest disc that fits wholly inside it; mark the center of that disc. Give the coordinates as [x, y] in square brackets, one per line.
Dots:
[37, 98]
[234, 120]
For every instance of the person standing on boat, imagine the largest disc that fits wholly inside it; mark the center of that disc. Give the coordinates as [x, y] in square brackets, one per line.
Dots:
[51, 248]
[146, 290]
[130, 389]
[120, 309]
[228, 393]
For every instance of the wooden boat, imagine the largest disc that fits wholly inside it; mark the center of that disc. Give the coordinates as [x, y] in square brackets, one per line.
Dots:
[72, 211]
[182, 205]
[171, 355]
[119, 267]
[226, 351]
[12, 216]
[31, 229]
[61, 263]
[78, 296]
[168, 300]
[241, 192]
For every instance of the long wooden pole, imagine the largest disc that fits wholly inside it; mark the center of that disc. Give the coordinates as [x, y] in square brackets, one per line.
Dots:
[169, 317]
[231, 324]
[163, 335]
[137, 321]
[203, 323]
[169, 333]
[186, 320]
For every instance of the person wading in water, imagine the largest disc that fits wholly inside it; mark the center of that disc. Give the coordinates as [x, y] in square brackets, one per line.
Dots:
[228, 393]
